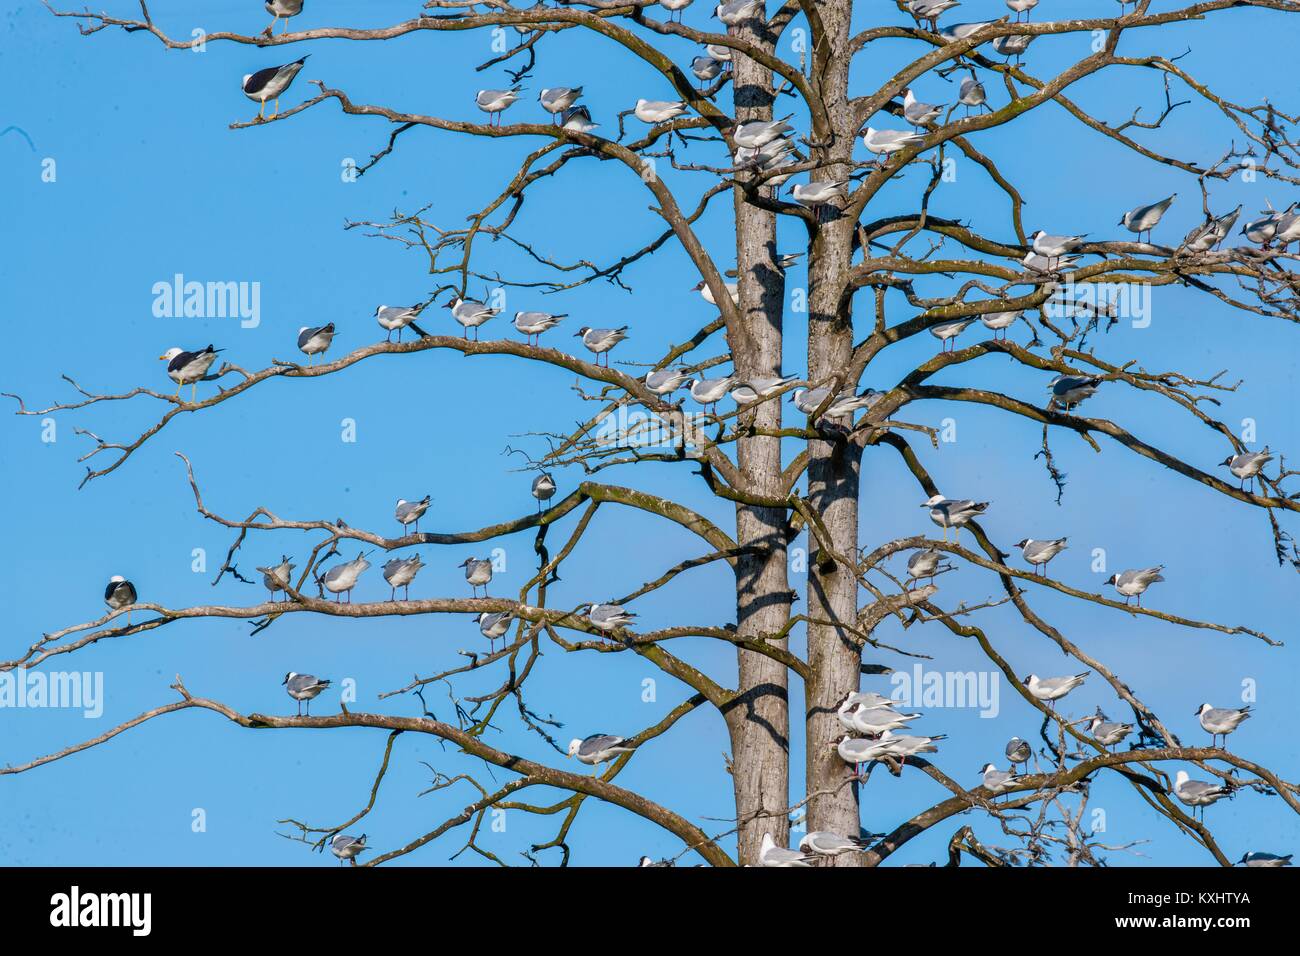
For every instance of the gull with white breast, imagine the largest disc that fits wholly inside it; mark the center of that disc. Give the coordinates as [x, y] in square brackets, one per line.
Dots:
[1221, 721]
[1134, 582]
[1052, 689]
[1038, 553]
[955, 514]
[600, 341]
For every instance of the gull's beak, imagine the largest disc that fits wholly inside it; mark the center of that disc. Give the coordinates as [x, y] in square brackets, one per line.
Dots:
[161, 357]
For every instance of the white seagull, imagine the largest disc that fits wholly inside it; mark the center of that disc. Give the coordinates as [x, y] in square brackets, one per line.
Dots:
[303, 687]
[998, 781]
[270, 84]
[543, 488]
[778, 856]
[556, 101]
[1247, 465]
[1052, 689]
[709, 391]
[1108, 732]
[189, 368]
[493, 625]
[282, 10]
[947, 332]
[346, 848]
[1145, 218]
[1069, 390]
[478, 572]
[953, 513]
[470, 314]
[342, 578]
[1132, 583]
[120, 593]
[1197, 793]
[395, 318]
[1209, 234]
[1221, 721]
[885, 142]
[276, 578]
[1040, 552]
[315, 341]
[665, 381]
[825, 843]
[495, 102]
[1000, 321]
[598, 749]
[400, 572]
[410, 512]
[606, 617]
[533, 324]
[600, 341]
[658, 111]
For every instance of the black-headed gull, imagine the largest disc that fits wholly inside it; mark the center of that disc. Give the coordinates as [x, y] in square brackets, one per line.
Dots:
[1133, 582]
[1221, 721]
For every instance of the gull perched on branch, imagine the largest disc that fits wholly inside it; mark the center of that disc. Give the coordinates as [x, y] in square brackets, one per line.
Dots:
[1209, 234]
[1012, 45]
[189, 368]
[1246, 466]
[533, 324]
[315, 341]
[271, 84]
[1108, 732]
[303, 687]
[1263, 230]
[342, 578]
[1052, 247]
[857, 751]
[733, 292]
[754, 389]
[1000, 321]
[556, 101]
[825, 843]
[543, 488]
[929, 11]
[770, 854]
[1069, 390]
[495, 102]
[675, 6]
[578, 119]
[818, 194]
[998, 781]
[600, 341]
[953, 513]
[396, 317]
[885, 142]
[947, 332]
[606, 617]
[1133, 582]
[905, 745]
[1018, 751]
[1197, 793]
[1260, 858]
[478, 572]
[1145, 218]
[1040, 552]
[918, 113]
[971, 93]
[1052, 689]
[120, 593]
[665, 381]
[706, 68]
[709, 391]
[1221, 721]
[410, 512]
[1022, 6]
[924, 564]
[598, 749]
[276, 578]
[735, 12]
[282, 10]
[658, 111]
[960, 31]
[470, 314]
[758, 133]
[400, 572]
[346, 848]
[493, 625]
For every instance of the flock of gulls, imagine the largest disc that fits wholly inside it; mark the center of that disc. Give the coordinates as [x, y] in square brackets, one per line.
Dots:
[874, 728]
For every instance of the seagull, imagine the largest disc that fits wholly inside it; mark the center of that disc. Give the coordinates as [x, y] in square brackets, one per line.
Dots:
[276, 578]
[874, 721]
[1108, 732]
[1198, 793]
[1145, 218]
[400, 572]
[825, 843]
[868, 699]
[1037, 263]
[342, 578]
[1040, 552]
[856, 751]
[1000, 321]
[1014, 44]
[1209, 234]
[1259, 858]
[535, 323]
[303, 687]
[930, 10]
[577, 119]
[282, 9]
[998, 781]
[675, 6]
[270, 84]
[410, 512]
[953, 514]
[478, 571]
[1069, 390]
[709, 391]
[904, 746]
[120, 593]
[599, 748]
[947, 332]
[918, 113]
[735, 12]
[885, 142]
[845, 403]
[189, 368]
[543, 488]
[1052, 689]
[600, 341]
[778, 856]
[733, 292]
[658, 111]
[397, 317]
[755, 389]
[1018, 751]
[1052, 247]
[960, 31]
[556, 101]
[1022, 6]
[665, 381]
[1247, 465]
[645, 860]
[1288, 229]
[705, 68]
[495, 102]
[470, 314]
[821, 193]
[315, 341]
[1134, 582]
[718, 52]
[1221, 720]
[345, 847]
[1263, 230]
[756, 134]
[606, 617]
[493, 625]
[972, 93]
[924, 564]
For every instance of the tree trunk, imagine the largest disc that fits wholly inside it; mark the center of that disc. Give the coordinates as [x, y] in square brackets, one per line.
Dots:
[759, 720]
[833, 469]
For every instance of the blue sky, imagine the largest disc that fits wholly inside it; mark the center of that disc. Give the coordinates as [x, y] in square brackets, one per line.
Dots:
[150, 183]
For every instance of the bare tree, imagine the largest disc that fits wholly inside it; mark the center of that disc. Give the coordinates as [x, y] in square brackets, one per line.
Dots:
[865, 276]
